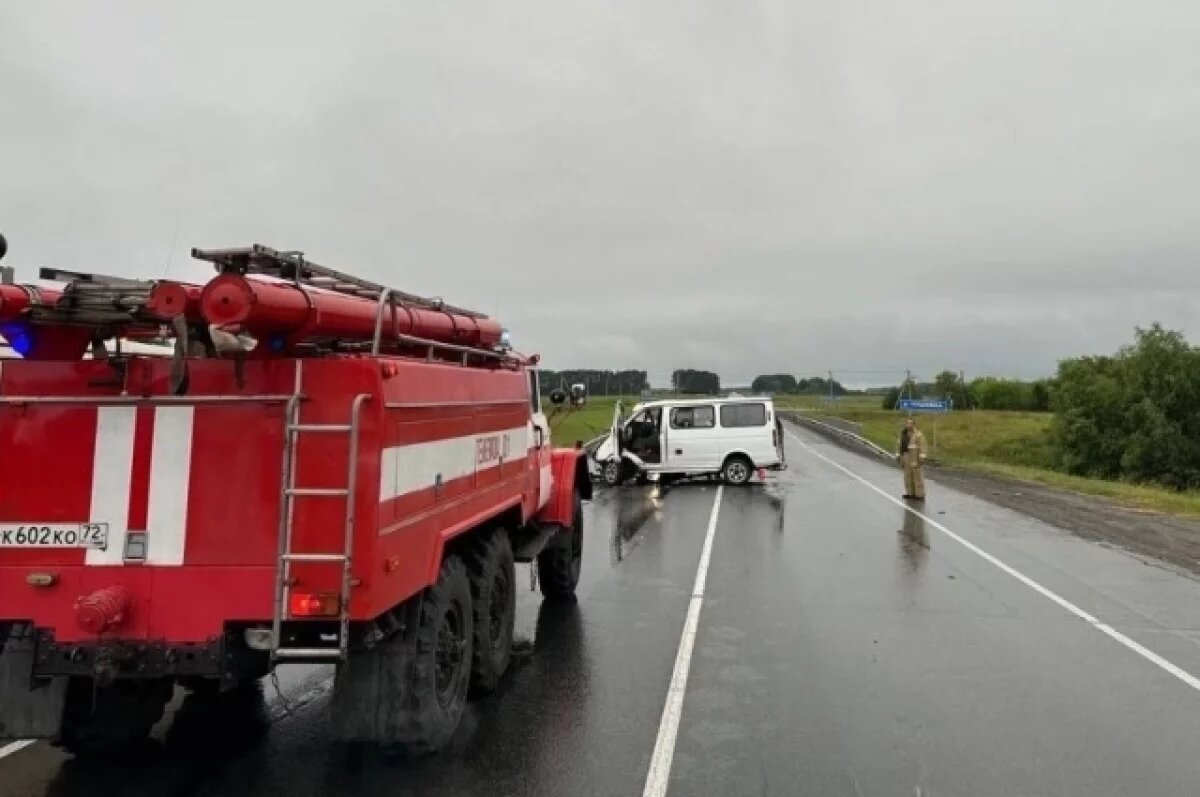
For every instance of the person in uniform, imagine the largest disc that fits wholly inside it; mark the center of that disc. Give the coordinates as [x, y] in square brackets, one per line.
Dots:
[912, 460]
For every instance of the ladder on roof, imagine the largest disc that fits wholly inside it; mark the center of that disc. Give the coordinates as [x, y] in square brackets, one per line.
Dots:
[95, 300]
[289, 494]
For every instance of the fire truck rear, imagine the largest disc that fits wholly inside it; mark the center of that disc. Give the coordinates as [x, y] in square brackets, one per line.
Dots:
[325, 470]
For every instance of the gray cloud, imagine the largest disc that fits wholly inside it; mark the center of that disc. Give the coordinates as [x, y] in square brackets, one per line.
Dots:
[751, 186]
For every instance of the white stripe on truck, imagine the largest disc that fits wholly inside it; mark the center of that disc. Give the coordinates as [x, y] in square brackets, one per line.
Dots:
[417, 466]
[170, 474]
[112, 472]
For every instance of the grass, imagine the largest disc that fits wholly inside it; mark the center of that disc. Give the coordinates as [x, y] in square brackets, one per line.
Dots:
[592, 420]
[1011, 444]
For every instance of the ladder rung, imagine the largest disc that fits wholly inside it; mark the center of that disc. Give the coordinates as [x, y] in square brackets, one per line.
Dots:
[318, 492]
[320, 427]
[308, 653]
[316, 557]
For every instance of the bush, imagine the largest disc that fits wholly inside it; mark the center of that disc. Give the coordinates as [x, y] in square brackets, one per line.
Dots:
[1133, 416]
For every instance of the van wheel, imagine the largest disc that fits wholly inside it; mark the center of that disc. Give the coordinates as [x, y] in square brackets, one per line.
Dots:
[612, 472]
[494, 591]
[737, 470]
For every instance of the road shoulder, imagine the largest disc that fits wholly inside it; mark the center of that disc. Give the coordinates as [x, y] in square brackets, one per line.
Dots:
[1144, 533]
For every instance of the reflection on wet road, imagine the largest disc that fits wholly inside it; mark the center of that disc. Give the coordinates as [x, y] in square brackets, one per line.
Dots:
[845, 646]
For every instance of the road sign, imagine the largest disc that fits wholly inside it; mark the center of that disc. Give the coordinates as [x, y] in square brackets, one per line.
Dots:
[924, 405]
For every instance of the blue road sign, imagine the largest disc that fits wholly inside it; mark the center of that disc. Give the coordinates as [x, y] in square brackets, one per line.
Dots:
[924, 405]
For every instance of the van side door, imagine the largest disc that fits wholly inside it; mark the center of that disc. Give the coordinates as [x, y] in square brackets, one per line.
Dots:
[691, 438]
[748, 427]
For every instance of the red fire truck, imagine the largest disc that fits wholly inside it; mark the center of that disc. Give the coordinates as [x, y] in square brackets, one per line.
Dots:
[326, 470]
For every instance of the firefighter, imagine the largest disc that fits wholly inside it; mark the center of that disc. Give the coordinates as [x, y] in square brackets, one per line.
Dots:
[912, 460]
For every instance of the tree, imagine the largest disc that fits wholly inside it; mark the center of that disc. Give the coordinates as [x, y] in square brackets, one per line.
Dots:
[687, 380]
[949, 385]
[892, 397]
[1133, 416]
[598, 383]
[820, 386]
[774, 383]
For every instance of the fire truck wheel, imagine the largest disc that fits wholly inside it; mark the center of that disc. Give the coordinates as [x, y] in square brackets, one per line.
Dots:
[493, 588]
[113, 719]
[559, 565]
[442, 669]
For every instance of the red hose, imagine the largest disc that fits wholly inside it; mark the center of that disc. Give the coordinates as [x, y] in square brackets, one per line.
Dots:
[282, 308]
[16, 299]
[170, 299]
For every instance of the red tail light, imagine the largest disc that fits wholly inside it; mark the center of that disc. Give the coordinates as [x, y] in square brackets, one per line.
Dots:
[315, 604]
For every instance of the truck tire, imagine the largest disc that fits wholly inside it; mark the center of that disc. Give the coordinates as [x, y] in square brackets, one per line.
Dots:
[494, 593]
[112, 719]
[559, 564]
[408, 692]
[737, 470]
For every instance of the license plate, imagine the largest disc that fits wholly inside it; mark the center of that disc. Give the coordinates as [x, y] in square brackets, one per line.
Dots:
[54, 535]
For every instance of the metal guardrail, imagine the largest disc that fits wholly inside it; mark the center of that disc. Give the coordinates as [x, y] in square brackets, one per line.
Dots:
[796, 416]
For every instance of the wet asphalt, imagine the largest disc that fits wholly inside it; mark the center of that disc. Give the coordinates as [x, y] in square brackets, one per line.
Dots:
[845, 647]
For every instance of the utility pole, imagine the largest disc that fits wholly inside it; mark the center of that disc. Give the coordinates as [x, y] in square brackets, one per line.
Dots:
[905, 388]
[831, 387]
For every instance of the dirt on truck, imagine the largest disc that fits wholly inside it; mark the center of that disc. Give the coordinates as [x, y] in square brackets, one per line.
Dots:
[323, 470]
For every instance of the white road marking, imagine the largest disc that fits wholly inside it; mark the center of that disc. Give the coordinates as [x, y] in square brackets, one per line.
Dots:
[1092, 620]
[15, 747]
[668, 727]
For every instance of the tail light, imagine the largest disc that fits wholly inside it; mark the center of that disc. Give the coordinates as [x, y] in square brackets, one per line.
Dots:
[315, 604]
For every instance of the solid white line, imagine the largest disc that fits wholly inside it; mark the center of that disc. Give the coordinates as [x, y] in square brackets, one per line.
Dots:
[1102, 627]
[668, 727]
[15, 747]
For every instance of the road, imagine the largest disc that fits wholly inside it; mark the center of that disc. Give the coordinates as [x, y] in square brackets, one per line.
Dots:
[843, 646]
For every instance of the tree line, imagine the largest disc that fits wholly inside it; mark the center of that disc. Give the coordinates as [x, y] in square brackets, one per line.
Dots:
[597, 382]
[981, 393]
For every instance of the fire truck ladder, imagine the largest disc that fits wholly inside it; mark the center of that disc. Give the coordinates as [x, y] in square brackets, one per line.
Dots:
[95, 300]
[289, 494]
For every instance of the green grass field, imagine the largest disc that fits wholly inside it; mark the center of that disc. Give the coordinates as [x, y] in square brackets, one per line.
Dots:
[1011, 444]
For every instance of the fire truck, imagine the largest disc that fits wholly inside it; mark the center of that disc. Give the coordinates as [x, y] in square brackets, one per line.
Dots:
[325, 470]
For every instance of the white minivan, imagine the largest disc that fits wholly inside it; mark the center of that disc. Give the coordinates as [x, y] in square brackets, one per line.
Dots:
[730, 437]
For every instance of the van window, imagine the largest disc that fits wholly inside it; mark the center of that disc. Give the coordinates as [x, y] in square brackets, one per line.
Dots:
[693, 418]
[737, 415]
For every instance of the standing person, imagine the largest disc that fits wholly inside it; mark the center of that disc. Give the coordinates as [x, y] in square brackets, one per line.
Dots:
[912, 460]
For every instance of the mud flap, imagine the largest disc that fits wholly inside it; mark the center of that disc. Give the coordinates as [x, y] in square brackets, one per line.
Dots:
[29, 709]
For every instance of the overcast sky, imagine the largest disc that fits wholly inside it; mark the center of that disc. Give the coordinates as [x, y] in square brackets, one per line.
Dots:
[740, 185]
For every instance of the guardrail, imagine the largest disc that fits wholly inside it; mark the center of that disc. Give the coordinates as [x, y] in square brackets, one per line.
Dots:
[829, 430]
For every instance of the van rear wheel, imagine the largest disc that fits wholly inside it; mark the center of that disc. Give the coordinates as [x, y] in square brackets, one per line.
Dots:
[737, 470]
